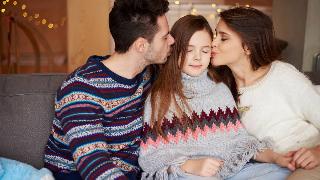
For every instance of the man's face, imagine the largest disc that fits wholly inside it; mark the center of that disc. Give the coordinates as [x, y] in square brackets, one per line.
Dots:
[160, 46]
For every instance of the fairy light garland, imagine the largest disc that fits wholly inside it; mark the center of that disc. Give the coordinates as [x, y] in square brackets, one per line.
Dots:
[36, 18]
[216, 9]
[213, 5]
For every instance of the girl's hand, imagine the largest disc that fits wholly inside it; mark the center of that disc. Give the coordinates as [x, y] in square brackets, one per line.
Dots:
[202, 167]
[270, 156]
[284, 160]
[306, 158]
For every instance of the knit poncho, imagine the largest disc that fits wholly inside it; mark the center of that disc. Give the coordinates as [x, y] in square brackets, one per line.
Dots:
[213, 129]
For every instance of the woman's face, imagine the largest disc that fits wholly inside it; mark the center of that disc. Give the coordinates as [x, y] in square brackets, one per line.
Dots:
[227, 47]
[198, 53]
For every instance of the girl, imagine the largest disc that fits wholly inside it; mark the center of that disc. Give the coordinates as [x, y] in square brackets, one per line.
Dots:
[277, 101]
[191, 129]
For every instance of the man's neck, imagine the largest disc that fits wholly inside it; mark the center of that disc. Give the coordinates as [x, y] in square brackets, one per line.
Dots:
[126, 65]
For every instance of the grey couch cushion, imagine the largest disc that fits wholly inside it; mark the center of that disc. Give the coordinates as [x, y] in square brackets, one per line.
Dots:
[26, 112]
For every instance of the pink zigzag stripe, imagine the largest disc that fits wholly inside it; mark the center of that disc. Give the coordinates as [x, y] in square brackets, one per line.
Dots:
[189, 134]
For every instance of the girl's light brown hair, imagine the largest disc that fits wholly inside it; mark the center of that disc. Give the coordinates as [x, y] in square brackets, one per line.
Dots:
[168, 85]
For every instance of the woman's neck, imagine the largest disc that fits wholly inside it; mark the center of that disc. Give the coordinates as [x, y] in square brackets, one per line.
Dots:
[245, 76]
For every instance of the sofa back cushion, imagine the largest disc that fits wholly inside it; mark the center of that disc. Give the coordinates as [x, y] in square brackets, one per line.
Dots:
[26, 113]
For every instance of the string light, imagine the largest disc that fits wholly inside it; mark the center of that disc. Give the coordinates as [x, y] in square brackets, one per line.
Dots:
[177, 2]
[212, 16]
[213, 5]
[33, 17]
[247, 5]
[23, 7]
[24, 14]
[194, 11]
[219, 10]
[50, 26]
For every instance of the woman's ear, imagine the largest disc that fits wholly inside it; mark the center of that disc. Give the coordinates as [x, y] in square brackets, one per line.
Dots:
[247, 50]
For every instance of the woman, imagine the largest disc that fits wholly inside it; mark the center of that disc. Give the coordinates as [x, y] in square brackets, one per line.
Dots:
[192, 129]
[275, 100]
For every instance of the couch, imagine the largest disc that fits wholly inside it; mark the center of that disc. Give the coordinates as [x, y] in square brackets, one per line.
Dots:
[26, 113]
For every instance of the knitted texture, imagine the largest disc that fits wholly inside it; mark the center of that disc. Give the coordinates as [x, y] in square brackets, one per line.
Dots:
[212, 129]
[98, 123]
[283, 106]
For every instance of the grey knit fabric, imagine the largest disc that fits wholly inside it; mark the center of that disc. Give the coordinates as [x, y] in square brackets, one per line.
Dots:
[213, 129]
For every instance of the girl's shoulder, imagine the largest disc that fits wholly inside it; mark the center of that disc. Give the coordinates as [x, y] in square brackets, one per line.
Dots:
[223, 92]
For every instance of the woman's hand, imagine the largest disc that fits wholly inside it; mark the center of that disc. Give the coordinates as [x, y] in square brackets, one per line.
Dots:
[269, 156]
[202, 167]
[306, 158]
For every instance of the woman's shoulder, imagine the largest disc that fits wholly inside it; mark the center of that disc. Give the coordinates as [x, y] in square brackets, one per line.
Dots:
[286, 75]
[288, 71]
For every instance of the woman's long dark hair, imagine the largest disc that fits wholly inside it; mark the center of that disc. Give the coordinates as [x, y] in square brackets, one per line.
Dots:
[257, 33]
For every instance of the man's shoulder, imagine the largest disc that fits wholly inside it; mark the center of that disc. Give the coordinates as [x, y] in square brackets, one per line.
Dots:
[92, 68]
[86, 73]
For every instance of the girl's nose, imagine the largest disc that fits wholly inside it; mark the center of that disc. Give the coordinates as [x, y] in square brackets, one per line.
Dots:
[197, 56]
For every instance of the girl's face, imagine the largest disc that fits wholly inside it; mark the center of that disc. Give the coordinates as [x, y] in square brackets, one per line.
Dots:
[198, 53]
[227, 47]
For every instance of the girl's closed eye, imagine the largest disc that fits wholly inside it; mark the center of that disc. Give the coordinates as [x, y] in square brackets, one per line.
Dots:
[206, 50]
[189, 49]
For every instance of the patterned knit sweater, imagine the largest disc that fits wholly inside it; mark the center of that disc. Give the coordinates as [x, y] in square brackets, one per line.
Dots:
[98, 123]
[213, 129]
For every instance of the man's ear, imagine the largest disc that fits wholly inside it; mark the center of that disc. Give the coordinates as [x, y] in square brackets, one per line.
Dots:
[140, 44]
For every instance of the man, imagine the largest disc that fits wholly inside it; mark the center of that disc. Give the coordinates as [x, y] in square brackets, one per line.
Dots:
[98, 109]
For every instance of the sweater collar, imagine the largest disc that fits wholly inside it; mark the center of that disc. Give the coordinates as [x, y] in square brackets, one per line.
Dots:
[193, 85]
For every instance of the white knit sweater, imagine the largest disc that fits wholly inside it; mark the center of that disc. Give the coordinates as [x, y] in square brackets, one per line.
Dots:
[283, 106]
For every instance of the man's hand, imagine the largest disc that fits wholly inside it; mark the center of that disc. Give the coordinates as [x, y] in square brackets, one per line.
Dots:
[202, 167]
[306, 158]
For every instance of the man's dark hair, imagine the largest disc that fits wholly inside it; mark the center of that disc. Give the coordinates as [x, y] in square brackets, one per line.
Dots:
[131, 19]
